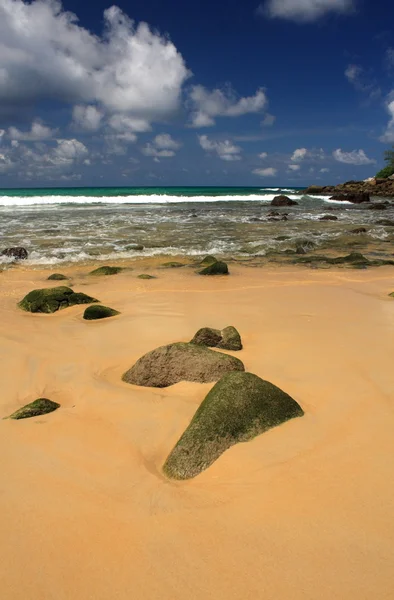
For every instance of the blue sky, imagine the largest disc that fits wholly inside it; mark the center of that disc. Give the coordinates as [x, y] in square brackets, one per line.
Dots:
[153, 92]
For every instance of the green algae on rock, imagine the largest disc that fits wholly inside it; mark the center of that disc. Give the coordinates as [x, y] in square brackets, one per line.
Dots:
[172, 265]
[146, 276]
[216, 268]
[177, 362]
[106, 270]
[226, 339]
[354, 259]
[41, 406]
[50, 300]
[98, 311]
[239, 407]
[208, 260]
[57, 277]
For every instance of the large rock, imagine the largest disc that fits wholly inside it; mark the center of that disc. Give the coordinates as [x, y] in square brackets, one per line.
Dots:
[216, 268]
[98, 311]
[18, 253]
[181, 362]
[354, 198]
[57, 277]
[41, 406]
[226, 339]
[239, 407]
[314, 190]
[49, 300]
[283, 201]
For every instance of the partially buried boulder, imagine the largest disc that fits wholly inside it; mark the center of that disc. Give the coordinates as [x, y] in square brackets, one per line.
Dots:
[226, 339]
[170, 364]
[216, 268]
[172, 265]
[57, 277]
[106, 271]
[18, 253]
[98, 311]
[146, 276]
[41, 406]
[49, 300]
[239, 407]
[283, 201]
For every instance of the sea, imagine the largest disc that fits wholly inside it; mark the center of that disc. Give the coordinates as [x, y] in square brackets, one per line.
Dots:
[82, 225]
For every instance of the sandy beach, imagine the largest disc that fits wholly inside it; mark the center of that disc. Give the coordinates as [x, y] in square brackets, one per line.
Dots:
[302, 512]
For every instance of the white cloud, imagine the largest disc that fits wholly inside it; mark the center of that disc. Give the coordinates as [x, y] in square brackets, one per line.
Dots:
[87, 117]
[207, 105]
[45, 54]
[356, 157]
[67, 152]
[226, 150]
[37, 132]
[390, 57]
[294, 167]
[269, 172]
[268, 120]
[324, 170]
[263, 155]
[388, 135]
[124, 123]
[304, 11]
[163, 146]
[299, 154]
[362, 82]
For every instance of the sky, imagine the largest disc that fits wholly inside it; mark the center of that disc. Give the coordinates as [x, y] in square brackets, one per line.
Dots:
[221, 93]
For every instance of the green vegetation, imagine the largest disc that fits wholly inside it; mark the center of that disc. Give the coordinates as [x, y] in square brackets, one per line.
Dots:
[239, 407]
[388, 170]
[41, 406]
[98, 311]
[49, 300]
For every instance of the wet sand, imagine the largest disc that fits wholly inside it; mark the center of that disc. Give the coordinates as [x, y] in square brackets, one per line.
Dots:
[304, 511]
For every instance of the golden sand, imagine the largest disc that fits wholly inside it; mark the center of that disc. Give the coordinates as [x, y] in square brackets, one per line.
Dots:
[304, 511]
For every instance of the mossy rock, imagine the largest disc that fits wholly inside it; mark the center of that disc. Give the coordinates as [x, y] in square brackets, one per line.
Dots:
[106, 271]
[239, 407]
[304, 246]
[41, 406]
[50, 300]
[171, 364]
[391, 295]
[216, 268]
[208, 260]
[226, 339]
[135, 247]
[98, 311]
[145, 276]
[172, 265]
[57, 277]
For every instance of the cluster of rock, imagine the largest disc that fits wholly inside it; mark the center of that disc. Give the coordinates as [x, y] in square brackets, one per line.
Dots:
[355, 191]
[238, 408]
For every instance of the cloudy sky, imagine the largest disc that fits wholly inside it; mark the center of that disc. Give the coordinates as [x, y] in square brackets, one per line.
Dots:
[167, 92]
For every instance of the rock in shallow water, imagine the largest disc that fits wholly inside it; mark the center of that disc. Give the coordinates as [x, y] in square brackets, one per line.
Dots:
[18, 253]
[98, 311]
[106, 271]
[171, 364]
[226, 339]
[239, 407]
[41, 406]
[283, 201]
[50, 300]
[57, 277]
[216, 268]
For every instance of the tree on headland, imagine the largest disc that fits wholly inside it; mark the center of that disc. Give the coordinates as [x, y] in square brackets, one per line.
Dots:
[388, 170]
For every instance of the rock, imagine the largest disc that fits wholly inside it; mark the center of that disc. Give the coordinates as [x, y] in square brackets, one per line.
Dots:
[386, 222]
[145, 276]
[136, 247]
[355, 259]
[328, 218]
[106, 271]
[304, 246]
[255, 220]
[282, 238]
[274, 213]
[283, 201]
[49, 300]
[227, 339]
[57, 277]
[41, 406]
[172, 265]
[356, 198]
[216, 268]
[98, 311]
[380, 206]
[239, 407]
[208, 260]
[391, 295]
[358, 230]
[170, 364]
[314, 190]
[18, 253]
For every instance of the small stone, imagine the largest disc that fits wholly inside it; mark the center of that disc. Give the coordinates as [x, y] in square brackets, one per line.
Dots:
[41, 406]
[98, 311]
[106, 270]
[145, 276]
[57, 277]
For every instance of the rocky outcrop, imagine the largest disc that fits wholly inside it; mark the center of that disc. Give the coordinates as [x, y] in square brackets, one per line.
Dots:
[283, 201]
[18, 253]
[239, 407]
[354, 198]
[98, 311]
[50, 300]
[373, 187]
[41, 406]
[226, 339]
[171, 364]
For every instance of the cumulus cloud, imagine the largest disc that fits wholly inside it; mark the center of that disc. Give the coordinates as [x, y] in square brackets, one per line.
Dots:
[388, 135]
[299, 154]
[356, 157]
[269, 172]
[268, 120]
[37, 132]
[294, 167]
[263, 155]
[325, 170]
[226, 150]
[304, 11]
[87, 117]
[163, 146]
[206, 105]
[67, 152]
[45, 54]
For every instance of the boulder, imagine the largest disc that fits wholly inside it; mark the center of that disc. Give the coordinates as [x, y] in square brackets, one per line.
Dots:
[239, 407]
[170, 364]
[355, 198]
[172, 265]
[98, 311]
[304, 246]
[18, 253]
[136, 247]
[216, 268]
[49, 300]
[57, 277]
[358, 230]
[386, 222]
[380, 206]
[283, 201]
[226, 339]
[314, 190]
[41, 406]
[328, 218]
[106, 271]
[145, 276]
[208, 260]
